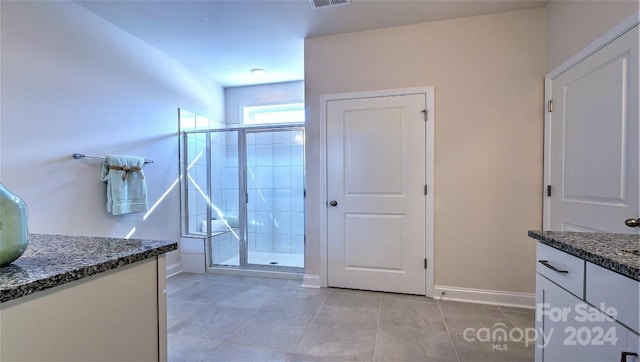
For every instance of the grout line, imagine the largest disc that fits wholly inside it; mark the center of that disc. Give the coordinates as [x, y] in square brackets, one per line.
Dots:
[375, 343]
[306, 329]
[504, 314]
[212, 351]
[446, 326]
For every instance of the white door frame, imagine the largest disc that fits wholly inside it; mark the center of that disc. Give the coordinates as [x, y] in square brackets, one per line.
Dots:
[430, 149]
[627, 24]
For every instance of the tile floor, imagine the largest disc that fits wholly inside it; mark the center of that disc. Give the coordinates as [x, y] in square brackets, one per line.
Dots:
[215, 317]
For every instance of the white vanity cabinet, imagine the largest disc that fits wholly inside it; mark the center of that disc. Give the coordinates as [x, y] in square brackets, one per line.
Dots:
[85, 298]
[574, 330]
[118, 315]
[578, 319]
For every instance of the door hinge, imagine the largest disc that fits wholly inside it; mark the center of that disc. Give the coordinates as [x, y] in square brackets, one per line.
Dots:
[425, 112]
[426, 189]
[425, 263]
[550, 105]
[549, 190]
[304, 193]
[246, 198]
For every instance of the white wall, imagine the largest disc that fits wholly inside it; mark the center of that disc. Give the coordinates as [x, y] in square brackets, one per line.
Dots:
[237, 97]
[72, 82]
[572, 25]
[488, 76]
[0, 91]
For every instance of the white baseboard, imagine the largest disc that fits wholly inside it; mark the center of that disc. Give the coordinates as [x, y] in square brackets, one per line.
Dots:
[311, 281]
[484, 296]
[174, 269]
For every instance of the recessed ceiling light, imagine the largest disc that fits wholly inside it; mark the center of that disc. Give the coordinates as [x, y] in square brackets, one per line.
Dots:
[258, 71]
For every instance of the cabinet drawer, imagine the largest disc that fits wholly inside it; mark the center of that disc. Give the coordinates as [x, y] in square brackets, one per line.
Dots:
[614, 291]
[563, 269]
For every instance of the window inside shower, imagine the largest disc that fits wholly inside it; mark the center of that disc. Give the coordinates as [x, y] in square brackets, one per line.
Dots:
[243, 190]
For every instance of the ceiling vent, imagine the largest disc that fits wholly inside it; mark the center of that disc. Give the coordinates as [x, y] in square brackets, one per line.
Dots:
[325, 4]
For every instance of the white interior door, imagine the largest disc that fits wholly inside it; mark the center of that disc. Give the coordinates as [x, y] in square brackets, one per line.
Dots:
[376, 176]
[594, 141]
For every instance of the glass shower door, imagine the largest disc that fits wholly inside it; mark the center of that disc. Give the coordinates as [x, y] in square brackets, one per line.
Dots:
[242, 193]
[275, 197]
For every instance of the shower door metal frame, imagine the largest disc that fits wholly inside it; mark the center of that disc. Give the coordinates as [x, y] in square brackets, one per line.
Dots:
[183, 171]
[242, 136]
[243, 241]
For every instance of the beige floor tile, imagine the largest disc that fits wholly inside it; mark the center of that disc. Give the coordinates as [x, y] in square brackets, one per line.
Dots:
[235, 352]
[410, 344]
[238, 318]
[475, 351]
[189, 349]
[274, 329]
[407, 313]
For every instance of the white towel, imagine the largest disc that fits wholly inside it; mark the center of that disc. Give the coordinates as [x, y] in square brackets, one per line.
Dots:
[126, 186]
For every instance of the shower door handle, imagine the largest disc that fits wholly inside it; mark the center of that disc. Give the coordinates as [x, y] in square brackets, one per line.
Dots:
[333, 203]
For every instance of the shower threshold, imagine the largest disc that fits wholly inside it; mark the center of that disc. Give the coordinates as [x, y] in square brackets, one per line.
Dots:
[263, 271]
[278, 260]
[287, 265]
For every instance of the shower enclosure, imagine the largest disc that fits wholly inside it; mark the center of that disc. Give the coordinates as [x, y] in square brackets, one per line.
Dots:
[243, 191]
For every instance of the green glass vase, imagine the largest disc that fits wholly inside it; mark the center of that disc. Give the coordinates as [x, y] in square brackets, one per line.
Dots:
[13, 226]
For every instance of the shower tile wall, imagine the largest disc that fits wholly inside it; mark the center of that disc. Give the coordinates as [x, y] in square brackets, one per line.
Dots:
[224, 177]
[275, 179]
[229, 201]
[191, 121]
[224, 246]
[194, 168]
[196, 181]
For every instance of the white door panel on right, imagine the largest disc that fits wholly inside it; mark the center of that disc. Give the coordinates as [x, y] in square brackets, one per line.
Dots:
[595, 141]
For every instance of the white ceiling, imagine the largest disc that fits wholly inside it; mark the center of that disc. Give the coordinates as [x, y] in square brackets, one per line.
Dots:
[225, 39]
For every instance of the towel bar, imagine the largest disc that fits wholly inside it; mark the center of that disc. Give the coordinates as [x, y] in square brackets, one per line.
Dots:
[78, 156]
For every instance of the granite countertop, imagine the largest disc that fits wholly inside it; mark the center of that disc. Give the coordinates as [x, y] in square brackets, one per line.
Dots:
[52, 260]
[610, 251]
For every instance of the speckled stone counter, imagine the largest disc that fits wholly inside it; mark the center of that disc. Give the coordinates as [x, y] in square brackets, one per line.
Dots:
[52, 260]
[611, 251]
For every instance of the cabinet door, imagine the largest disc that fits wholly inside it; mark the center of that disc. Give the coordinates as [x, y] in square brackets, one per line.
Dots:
[614, 292]
[111, 316]
[571, 330]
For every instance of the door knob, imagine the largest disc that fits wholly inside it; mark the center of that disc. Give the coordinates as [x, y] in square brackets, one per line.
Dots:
[333, 203]
[632, 223]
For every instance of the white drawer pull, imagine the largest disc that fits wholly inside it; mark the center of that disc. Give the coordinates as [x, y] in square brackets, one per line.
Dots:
[546, 263]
